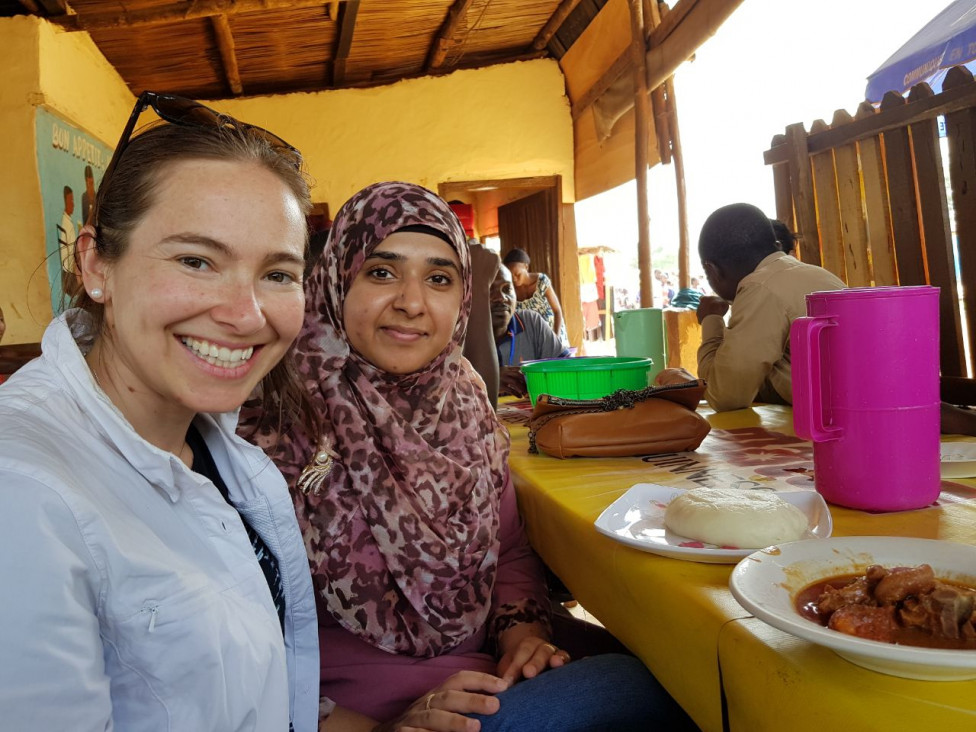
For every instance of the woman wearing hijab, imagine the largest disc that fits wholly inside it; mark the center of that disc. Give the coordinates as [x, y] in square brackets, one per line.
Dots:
[418, 557]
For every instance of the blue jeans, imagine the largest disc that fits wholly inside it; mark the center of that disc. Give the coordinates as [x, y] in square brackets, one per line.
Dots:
[611, 692]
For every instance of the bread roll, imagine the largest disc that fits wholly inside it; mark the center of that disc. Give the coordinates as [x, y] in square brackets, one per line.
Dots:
[729, 517]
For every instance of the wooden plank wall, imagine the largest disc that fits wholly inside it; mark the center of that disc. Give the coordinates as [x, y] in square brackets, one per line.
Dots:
[869, 200]
[602, 164]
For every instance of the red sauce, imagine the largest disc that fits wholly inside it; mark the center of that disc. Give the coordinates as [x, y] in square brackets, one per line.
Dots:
[805, 603]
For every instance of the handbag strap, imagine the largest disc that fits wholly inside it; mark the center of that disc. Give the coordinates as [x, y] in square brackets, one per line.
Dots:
[684, 393]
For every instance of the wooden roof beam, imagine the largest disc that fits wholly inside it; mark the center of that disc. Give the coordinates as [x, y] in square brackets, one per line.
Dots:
[228, 53]
[176, 12]
[689, 24]
[344, 42]
[552, 25]
[445, 36]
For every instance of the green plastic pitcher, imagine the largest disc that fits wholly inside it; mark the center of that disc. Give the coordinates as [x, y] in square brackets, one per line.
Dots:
[641, 333]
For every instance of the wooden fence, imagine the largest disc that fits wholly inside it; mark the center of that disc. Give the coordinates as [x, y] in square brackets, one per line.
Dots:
[868, 198]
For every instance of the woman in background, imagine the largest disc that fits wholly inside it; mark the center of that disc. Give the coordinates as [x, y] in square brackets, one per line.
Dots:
[534, 292]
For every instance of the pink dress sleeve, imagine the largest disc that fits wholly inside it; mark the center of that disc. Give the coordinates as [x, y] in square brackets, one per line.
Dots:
[520, 594]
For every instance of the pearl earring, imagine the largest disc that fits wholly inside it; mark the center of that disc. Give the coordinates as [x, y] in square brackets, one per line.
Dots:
[96, 294]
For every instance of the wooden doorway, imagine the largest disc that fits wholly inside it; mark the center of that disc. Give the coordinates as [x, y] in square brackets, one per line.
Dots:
[528, 213]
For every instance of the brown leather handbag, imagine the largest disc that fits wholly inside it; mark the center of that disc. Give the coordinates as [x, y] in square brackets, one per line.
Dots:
[648, 421]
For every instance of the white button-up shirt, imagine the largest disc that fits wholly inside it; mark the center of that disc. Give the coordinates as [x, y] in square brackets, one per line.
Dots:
[132, 598]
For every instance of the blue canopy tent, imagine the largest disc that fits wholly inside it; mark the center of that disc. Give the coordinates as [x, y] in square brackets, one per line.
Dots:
[948, 40]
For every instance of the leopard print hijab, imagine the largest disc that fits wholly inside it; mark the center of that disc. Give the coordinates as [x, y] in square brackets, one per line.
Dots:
[398, 500]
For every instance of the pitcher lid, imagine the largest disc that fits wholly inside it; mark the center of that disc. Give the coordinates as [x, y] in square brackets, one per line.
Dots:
[856, 293]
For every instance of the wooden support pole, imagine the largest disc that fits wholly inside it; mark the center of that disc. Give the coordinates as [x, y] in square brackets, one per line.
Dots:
[677, 157]
[642, 116]
[552, 25]
[442, 43]
[228, 54]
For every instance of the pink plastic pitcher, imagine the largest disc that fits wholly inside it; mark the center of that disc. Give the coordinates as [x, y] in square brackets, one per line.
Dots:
[865, 366]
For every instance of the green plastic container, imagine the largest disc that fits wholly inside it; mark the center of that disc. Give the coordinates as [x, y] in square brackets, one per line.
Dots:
[641, 333]
[585, 378]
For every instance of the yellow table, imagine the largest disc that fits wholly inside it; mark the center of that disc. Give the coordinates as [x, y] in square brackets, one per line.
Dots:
[681, 620]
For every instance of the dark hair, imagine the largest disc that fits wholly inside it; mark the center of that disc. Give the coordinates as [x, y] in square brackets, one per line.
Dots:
[131, 191]
[67, 191]
[785, 238]
[429, 230]
[516, 256]
[89, 173]
[316, 243]
[736, 238]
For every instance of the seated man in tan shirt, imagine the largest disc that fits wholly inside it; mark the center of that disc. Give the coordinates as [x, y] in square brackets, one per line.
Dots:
[749, 360]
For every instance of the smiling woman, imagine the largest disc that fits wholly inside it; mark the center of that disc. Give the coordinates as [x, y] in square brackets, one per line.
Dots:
[403, 305]
[159, 569]
[433, 608]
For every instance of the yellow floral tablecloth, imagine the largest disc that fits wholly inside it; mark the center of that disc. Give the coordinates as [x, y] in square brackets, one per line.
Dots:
[679, 616]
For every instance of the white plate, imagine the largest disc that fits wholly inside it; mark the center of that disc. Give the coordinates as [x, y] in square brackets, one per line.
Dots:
[766, 582]
[637, 519]
[958, 459]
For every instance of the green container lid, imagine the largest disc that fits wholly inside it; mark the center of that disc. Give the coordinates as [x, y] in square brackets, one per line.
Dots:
[586, 377]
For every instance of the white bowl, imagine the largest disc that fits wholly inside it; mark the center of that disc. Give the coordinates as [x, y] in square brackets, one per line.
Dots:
[766, 582]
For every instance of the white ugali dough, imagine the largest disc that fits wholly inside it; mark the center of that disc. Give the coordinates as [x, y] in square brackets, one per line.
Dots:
[729, 517]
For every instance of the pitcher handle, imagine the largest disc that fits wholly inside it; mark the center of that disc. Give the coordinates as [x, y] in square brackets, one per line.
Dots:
[808, 407]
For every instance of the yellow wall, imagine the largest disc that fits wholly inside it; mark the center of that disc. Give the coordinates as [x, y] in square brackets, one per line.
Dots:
[506, 121]
[67, 74]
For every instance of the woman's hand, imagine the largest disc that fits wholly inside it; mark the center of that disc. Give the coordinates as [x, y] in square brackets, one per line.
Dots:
[557, 310]
[443, 709]
[526, 654]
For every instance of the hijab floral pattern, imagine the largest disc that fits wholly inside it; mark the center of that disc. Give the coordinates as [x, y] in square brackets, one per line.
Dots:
[402, 528]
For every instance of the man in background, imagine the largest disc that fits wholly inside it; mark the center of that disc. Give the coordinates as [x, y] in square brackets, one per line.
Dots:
[520, 335]
[749, 359]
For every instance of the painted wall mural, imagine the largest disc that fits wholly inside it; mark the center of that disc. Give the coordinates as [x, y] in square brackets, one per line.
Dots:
[70, 165]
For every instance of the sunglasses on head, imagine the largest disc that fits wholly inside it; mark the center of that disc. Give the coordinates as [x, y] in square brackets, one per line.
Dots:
[185, 112]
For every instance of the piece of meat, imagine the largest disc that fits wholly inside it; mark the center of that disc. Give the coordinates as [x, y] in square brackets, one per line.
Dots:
[914, 613]
[875, 573]
[903, 582]
[863, 621]
[857, 592]
[950, 610]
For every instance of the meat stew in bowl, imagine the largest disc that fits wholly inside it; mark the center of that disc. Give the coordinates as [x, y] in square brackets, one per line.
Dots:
[902, 605]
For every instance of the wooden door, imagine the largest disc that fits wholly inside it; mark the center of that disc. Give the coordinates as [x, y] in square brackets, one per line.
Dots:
[532, 224]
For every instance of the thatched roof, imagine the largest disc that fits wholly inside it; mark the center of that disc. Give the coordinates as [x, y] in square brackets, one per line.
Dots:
[222, 48]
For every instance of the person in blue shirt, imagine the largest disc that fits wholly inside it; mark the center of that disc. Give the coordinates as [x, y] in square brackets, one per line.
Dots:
[520, 335]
